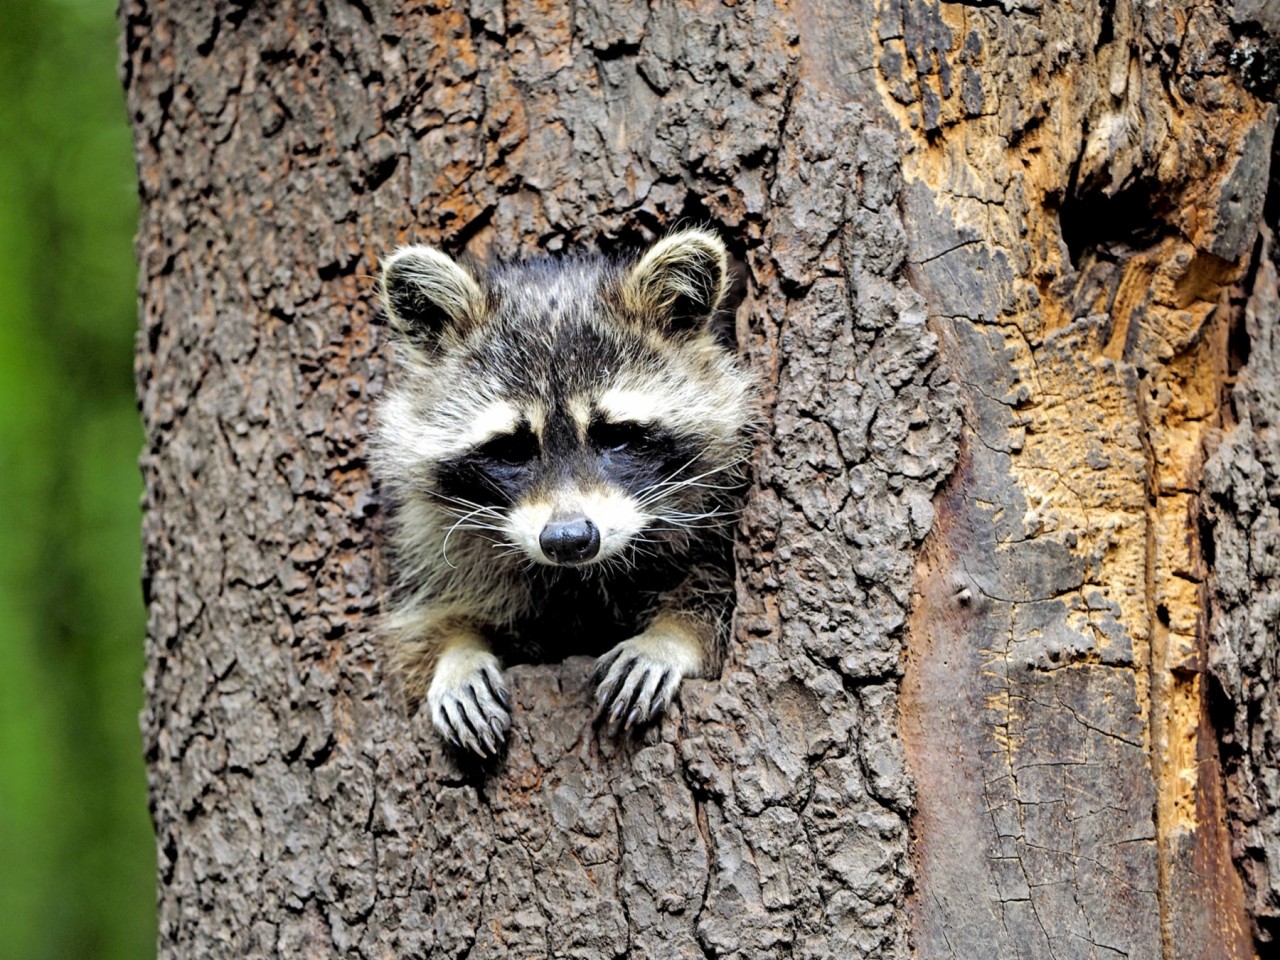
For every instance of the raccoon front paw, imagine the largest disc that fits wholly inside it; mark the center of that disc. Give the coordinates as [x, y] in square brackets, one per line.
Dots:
[638, 678]
[468, 701]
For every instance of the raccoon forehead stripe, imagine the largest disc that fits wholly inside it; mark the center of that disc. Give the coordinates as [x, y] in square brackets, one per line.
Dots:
[621, 404]
[536, 413]
[498, 417]
[580, 409]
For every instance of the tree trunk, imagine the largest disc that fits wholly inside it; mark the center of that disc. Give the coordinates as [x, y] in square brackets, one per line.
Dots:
[1003, 675]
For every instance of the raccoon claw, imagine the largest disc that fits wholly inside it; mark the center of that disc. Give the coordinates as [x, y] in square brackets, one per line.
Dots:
[469, 703]
[635, 685]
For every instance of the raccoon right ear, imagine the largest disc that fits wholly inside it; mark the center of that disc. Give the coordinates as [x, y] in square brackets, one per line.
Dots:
[680, 281]
[425, 292]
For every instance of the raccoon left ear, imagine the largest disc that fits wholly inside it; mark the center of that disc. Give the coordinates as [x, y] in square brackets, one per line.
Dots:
[680, 281]
[426, 293]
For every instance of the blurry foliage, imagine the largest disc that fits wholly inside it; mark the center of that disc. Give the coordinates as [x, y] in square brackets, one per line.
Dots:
[77, 856]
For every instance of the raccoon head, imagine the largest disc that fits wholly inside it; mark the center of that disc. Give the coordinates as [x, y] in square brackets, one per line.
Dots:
[571, 410]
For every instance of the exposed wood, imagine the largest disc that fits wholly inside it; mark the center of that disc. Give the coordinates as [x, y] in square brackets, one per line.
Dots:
[1081, 209]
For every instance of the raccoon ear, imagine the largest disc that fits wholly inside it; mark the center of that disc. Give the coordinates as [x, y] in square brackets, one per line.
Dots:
[680, 281]
[426, 292]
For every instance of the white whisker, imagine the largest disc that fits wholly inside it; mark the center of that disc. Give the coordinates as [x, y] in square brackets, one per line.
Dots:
[670, 485]
[444, 547]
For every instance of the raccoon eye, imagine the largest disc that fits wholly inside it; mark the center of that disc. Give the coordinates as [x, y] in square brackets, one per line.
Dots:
[510, 448]
[620, 436]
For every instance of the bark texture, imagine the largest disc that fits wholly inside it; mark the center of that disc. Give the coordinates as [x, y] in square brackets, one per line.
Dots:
[1017, 240]
[1242, 530]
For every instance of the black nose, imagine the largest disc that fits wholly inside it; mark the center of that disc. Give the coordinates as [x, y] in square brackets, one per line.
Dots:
[570, 541]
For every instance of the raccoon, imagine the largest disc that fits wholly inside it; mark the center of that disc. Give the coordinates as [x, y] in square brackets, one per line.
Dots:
[563, 446]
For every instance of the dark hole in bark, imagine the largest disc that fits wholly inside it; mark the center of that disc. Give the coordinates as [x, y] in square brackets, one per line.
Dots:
[1238, 344]
[239, 10]
[170, 859]
[205, 47]
[1256, 56]
[380, 171]
[1207, 545]
[1106, 32]
[1222, 718]
[1096, 221]
[739, 287]
[1271, 204]
[1267, 929]
[464, 234]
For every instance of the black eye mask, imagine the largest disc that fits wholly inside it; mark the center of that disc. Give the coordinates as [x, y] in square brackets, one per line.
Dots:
[635, 456]
[497, 473]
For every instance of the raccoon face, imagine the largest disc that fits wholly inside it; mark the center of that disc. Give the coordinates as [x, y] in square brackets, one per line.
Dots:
[570, 411]
[576, 483]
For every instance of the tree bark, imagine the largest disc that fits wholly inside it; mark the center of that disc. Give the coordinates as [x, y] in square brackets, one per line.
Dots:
[1002, 679]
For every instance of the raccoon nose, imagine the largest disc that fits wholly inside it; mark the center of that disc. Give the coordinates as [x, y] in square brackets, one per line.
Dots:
[575, 540]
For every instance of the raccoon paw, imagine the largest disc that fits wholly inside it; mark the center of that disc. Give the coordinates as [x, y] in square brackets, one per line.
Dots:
[638, 678]
[468, 701]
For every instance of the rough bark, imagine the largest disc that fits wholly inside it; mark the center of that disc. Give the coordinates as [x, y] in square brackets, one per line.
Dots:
[1242, 531]
[1018, 240]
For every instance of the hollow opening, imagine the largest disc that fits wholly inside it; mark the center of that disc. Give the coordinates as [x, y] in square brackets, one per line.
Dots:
[1095, 221]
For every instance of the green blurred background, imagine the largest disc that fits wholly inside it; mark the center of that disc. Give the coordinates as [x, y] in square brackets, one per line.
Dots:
[76, 848]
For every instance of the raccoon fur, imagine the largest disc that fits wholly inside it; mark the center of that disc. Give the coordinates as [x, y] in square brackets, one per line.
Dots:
[563, 446]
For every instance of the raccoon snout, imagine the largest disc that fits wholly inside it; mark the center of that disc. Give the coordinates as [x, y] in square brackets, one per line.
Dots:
[575, 540]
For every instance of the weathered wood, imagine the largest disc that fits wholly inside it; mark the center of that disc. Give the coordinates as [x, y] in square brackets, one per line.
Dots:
[1032, 218]
[1079, 208]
